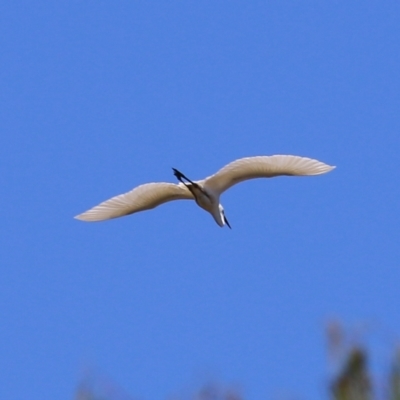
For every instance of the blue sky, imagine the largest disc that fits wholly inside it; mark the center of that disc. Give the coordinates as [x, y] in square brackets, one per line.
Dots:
[98, 97]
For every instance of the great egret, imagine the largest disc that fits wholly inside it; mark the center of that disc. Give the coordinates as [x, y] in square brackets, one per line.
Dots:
[205, 192]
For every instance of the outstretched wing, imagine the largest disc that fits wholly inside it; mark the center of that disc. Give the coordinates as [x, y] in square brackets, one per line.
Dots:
[143, 197]
[263, 167]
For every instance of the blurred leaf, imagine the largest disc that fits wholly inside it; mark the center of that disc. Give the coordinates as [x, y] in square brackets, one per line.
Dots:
[395, 378]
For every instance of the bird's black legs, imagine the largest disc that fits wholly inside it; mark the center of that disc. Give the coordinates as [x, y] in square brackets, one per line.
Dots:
[191, 184]
[180, 176]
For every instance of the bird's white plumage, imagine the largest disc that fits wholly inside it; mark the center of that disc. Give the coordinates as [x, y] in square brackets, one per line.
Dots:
[206, 192]
[143, 197]
[263, 167]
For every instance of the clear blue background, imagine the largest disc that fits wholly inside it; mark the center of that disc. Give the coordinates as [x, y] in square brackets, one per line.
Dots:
[98, 97]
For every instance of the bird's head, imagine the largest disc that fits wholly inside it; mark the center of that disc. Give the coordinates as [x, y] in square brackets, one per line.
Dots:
[223, 216]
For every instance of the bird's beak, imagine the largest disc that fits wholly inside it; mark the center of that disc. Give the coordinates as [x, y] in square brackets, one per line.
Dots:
[226, 221]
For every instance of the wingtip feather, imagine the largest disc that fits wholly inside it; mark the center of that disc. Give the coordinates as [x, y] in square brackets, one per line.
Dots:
[83, 217]
[90, 217]
[329, 168]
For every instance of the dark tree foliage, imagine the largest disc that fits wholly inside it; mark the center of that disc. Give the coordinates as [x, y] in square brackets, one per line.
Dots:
[352, 380]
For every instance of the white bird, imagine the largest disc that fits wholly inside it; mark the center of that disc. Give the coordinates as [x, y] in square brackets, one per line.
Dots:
[205, 192]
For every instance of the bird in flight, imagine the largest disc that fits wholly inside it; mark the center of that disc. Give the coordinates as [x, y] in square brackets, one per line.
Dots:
[205, 192]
